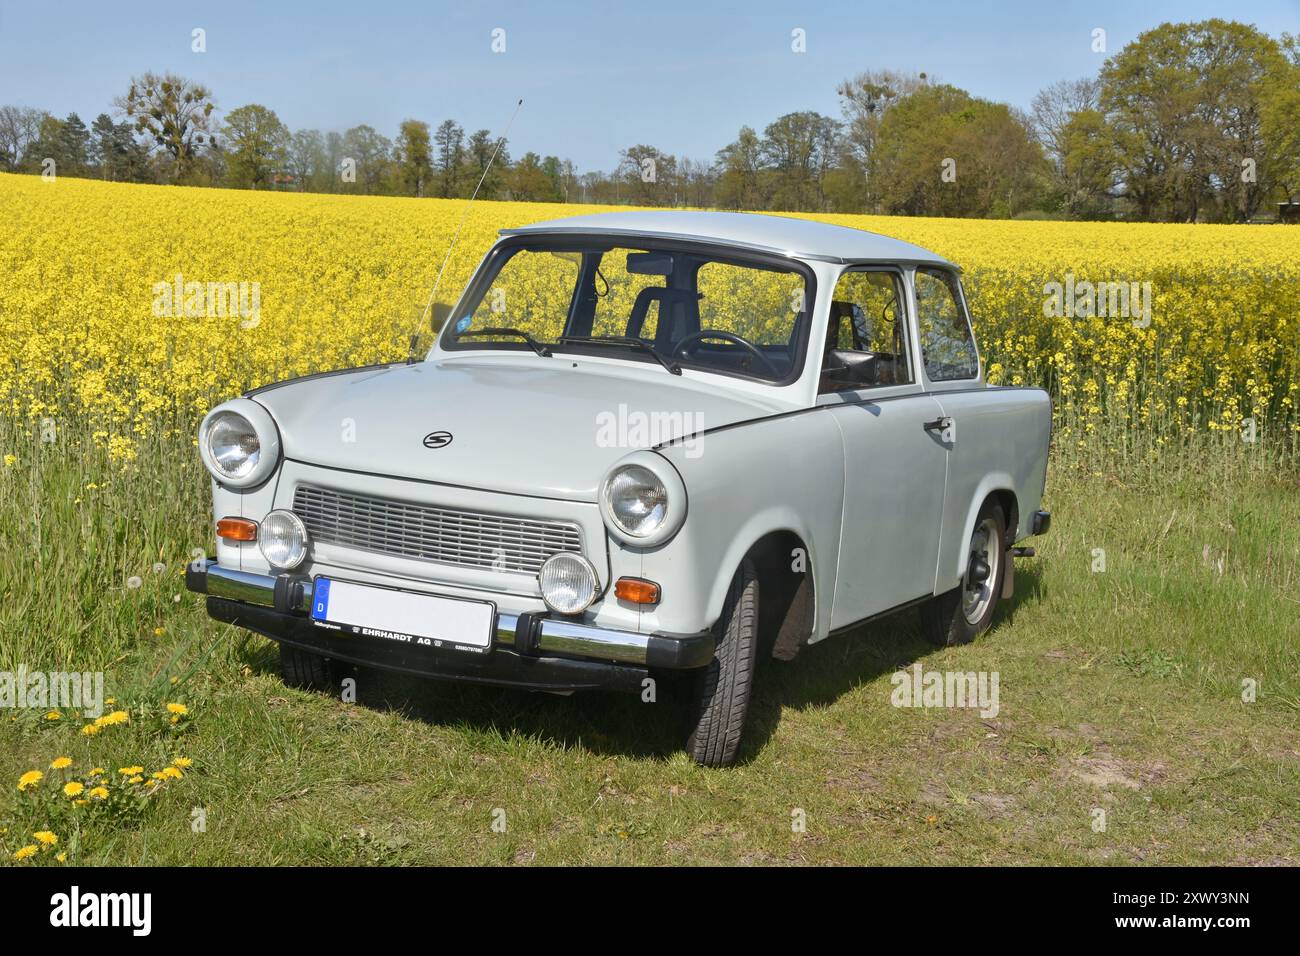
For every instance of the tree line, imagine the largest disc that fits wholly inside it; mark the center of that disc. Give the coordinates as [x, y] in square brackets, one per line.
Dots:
[1194, 121]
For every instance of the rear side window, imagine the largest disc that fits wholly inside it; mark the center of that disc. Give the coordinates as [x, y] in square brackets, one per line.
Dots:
[947, 347]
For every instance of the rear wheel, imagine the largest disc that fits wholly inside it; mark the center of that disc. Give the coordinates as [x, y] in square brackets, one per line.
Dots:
[305, 670]
[720, 698]
[964, 613]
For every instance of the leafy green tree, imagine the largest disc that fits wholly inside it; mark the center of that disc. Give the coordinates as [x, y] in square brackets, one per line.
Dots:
[942, 152]
[528, 181]
[365, 158]
[478, 155]
[174, 113]
[1187, 102]
[799, 149]
[449, 148]
[414, 157]
[645, 175]
[739, 166]
[307, 162]
[256, 146]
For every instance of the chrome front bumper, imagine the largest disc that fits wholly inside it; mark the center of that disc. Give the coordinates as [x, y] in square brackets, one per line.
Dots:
[526, 634]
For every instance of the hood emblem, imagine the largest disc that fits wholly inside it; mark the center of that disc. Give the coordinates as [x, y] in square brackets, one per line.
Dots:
[437, 439]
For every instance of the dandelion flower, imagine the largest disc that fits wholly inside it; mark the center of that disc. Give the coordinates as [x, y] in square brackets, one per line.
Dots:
[182, 762]
[45, 838]
[62, 857]
[90, 729]
[136, 779]
[73, 789]
[99, 793]
[130, 771]
[177, 709]
[25, 852]
[54, 715]
[60, 763]
[30, 779]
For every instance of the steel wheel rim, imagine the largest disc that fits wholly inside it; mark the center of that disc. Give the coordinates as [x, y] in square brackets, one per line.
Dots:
[976, 595]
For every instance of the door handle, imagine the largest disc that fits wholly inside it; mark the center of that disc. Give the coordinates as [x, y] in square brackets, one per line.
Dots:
[945, 427]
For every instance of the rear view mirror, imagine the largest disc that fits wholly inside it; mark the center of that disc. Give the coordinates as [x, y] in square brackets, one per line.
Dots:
[649, 264]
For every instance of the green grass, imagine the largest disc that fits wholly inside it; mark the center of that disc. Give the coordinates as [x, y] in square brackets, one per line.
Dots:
[1119, 691]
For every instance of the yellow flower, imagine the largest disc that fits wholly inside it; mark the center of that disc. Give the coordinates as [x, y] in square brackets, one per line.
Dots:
[183, 762]
[60, 762]
[30, 779]
[62, 857]
[178, 709]
[45, 838]
[96, 771]
[90, 729]
[130, 771]
[171, 772]
[99, 793]
[25, 852]
[116, 717]
[136, 779]
[158, 632]
[11, 460]
[73, 788]
[54, 715]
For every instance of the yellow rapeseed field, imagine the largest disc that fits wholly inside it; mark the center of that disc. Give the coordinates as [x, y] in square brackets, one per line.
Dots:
[96, 278]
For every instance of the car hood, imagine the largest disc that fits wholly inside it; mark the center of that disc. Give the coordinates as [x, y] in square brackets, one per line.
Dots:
[548, 427]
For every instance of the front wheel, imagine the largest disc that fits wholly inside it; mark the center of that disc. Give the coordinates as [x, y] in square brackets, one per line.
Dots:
[964, 613]
[305, 670]
[720, 698]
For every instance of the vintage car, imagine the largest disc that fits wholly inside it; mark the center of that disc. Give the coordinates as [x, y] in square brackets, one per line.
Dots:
[643, 444]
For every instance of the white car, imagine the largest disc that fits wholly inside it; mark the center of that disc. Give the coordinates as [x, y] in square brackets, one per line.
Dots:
[643, 444]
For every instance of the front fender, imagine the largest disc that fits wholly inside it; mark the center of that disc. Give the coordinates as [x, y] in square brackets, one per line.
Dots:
[779, 474]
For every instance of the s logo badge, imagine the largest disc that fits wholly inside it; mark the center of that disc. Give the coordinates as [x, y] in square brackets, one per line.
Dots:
[437, 439]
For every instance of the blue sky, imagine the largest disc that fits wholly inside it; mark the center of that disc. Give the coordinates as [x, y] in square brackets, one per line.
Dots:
[595, 77]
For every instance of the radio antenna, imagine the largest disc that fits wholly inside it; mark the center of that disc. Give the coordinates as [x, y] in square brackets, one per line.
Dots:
[410, 357]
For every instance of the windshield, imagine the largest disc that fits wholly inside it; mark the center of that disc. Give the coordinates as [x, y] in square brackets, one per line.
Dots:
[678, 306]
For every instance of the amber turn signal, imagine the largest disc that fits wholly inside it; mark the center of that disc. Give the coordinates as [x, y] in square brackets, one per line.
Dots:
[237, 529]
[636, 590]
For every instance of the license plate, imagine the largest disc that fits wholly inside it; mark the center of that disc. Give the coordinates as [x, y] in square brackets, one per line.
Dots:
[406, 617]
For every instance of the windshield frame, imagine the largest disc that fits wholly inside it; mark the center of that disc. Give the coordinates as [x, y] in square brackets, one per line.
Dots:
[480, 283]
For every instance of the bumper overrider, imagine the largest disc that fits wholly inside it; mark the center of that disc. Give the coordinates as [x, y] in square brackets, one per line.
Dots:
[531, 650]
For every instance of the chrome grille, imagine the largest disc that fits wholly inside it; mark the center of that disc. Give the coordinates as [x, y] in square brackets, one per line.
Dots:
[430, 533]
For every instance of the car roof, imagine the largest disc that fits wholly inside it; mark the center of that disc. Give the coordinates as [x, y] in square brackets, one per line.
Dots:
[799, 238]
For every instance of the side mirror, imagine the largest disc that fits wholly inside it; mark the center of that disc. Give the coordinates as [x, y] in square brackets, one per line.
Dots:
[439, 314]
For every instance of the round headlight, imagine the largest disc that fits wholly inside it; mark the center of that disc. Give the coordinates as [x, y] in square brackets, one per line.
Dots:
[637, 500]
[568, 583]
[233, 445]
[282, 538]
[239, 443]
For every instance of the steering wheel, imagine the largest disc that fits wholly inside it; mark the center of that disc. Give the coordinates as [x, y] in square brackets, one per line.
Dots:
[685, 349]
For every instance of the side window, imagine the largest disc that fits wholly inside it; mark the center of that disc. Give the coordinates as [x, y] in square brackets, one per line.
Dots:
[946, 344]
[866, 339]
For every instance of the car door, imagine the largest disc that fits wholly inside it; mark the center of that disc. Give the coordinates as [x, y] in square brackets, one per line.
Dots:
[894, 465]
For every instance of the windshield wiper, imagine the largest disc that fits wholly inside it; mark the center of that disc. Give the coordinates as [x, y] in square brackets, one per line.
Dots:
[625, 340]
[532, 343]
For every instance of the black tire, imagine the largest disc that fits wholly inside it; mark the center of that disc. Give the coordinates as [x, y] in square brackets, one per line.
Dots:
[721, 692]
[305, 670]
[943, 617]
